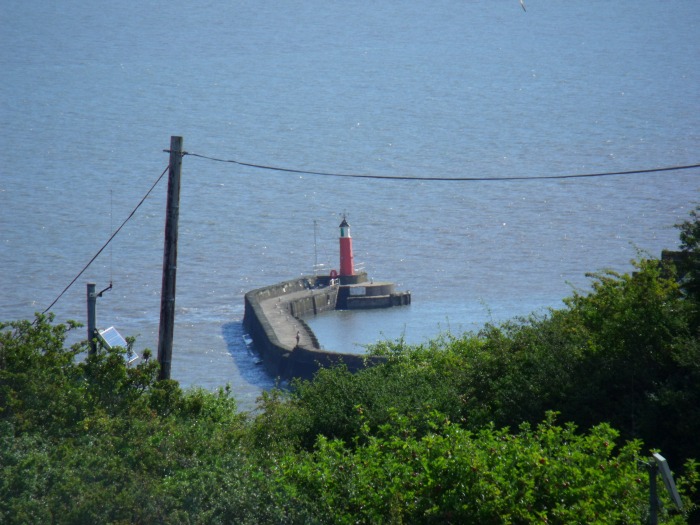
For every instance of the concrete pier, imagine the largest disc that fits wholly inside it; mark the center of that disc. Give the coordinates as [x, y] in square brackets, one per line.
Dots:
[287, 346]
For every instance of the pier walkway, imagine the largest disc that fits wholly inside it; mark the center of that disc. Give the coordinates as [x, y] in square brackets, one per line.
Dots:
[284, 324]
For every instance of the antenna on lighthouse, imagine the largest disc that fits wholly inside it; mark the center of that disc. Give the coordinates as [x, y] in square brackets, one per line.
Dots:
[315, 247]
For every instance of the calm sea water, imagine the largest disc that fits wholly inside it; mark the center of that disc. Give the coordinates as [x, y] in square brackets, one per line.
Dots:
[90, 95]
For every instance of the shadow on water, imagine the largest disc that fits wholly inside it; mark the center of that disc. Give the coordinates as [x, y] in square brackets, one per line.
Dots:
[246, 359]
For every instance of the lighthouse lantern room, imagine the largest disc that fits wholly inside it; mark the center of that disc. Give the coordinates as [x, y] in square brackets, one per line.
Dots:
[347, 265]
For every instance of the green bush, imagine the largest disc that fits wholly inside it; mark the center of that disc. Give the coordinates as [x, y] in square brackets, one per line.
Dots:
[422, 438]
[547, 474]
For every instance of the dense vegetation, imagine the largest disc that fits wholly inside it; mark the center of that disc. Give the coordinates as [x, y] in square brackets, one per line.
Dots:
[544, 419]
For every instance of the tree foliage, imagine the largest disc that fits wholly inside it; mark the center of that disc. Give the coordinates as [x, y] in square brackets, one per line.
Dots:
[95, 441]
[547, 418]
[690, 247]
[547, 474]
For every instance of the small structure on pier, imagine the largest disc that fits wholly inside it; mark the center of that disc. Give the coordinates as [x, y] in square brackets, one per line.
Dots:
[347, 263]
[355, 291]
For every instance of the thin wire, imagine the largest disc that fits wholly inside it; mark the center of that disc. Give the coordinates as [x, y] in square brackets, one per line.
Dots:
[470, 179]
[108, 240]
[111, 247]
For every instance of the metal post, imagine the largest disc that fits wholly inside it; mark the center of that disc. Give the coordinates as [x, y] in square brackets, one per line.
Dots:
[167, 297]
[653, 498]
[91, 317]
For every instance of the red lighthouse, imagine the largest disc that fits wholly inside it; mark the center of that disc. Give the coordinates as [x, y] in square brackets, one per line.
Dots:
[347, 266]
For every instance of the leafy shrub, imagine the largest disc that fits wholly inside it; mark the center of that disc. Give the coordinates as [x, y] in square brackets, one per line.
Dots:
[547, 474]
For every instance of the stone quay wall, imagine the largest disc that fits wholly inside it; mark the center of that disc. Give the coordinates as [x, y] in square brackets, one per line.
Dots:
[274, 319]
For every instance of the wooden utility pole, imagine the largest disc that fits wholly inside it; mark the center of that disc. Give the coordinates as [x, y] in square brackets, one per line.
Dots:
[167, 296]
[91, 317]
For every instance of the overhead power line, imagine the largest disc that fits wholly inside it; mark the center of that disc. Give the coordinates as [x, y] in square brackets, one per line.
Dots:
[454, 179]
[108, 241]
[364, 176]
